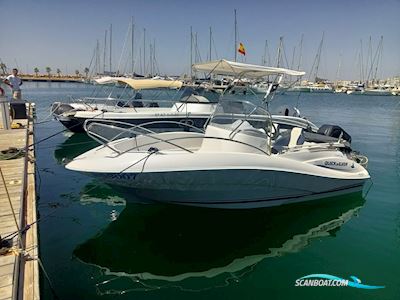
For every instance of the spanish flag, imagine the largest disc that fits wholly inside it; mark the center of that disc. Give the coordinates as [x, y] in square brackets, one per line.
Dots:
[241, 49]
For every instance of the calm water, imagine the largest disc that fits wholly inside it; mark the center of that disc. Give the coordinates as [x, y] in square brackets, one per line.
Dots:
[95, 246]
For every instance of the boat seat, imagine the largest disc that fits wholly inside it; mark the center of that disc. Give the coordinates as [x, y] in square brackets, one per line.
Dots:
[288, 139]
[296, 137]
[249, 138]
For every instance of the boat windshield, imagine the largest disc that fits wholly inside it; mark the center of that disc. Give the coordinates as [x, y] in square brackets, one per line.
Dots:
[237, 115]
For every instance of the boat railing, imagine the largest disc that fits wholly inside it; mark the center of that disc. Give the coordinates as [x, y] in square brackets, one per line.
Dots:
[97, 129]
[115, 102]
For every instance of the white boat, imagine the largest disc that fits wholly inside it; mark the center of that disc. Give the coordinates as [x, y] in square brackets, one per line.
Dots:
[242, 160]
[321, 88]
[191, 108]
[377, 91]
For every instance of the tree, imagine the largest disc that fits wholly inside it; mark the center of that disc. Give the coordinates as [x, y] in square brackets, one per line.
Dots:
[48, 71]
[36, 70]
[58, 72]
[77, 72]
[86, 70]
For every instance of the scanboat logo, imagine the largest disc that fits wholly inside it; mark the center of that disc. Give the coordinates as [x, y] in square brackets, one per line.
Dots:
[330, 280]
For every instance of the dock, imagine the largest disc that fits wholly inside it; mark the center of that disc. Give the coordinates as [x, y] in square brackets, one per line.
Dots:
[42, 78]
[19, 267]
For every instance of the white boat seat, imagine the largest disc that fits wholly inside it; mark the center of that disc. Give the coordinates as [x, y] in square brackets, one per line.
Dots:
[296, 137]
[288, 139]
[248, 138]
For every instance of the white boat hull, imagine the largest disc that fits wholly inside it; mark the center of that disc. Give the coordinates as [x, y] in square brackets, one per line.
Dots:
[232, 188]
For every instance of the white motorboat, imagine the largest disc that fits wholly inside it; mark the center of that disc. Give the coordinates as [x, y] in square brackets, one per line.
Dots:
[192, 108]
[241, 160]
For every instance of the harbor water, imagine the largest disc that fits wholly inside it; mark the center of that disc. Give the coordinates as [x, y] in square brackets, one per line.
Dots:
[96, 244]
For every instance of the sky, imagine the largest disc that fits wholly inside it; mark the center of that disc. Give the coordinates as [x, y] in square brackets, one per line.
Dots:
[63, 34]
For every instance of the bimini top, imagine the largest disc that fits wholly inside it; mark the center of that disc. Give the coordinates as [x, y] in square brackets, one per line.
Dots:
[237, 69]
[142, 84]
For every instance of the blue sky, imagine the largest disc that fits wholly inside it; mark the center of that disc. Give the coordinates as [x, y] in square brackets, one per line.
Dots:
[62, 34]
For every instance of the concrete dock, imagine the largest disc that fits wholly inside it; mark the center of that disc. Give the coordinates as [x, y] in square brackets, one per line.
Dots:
[19, 272]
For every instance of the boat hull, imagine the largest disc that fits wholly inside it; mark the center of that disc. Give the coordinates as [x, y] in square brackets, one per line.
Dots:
[75, 124]
[233, 189]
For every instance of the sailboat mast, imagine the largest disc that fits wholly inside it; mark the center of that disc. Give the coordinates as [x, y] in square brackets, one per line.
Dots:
[279, 52]
[191, 51]
[104, 53]
[369, 59]
[301, 52]
[151, 59]
[210, 44]
[293, 54]
[338, 68]
[266, 53]
[144, 51]
[154, 56]
[235, 37]
[318, 58]
[132, 45]
[110, 48]
[361, 61]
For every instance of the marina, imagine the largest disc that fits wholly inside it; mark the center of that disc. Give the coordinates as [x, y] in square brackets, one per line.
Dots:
[173, 151]
[84, 207]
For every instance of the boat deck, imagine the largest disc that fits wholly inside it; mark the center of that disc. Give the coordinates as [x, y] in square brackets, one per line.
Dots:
[19, 274]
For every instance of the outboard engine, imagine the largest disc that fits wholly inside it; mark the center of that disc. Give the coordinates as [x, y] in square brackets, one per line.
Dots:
[334, 131]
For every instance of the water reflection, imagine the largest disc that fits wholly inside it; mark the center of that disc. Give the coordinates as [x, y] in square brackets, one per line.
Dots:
[73, 146]
[154, 246]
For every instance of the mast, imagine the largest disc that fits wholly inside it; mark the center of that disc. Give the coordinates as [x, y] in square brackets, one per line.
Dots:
[154, 56]
[235, 36]
[191, 51]
[210, 44]
[196, 54]
[110, 49]
[317, 58]
[266, 54]
[369, 60]
[293, 54]
[98, 56]
[301, 52]
[140, 62]
[361, 62]
[338, 68]
[144, 50]
[132, 45]
[104, 52]
[151, 59]
[379, 57]
[319, 55]
[279, 52]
